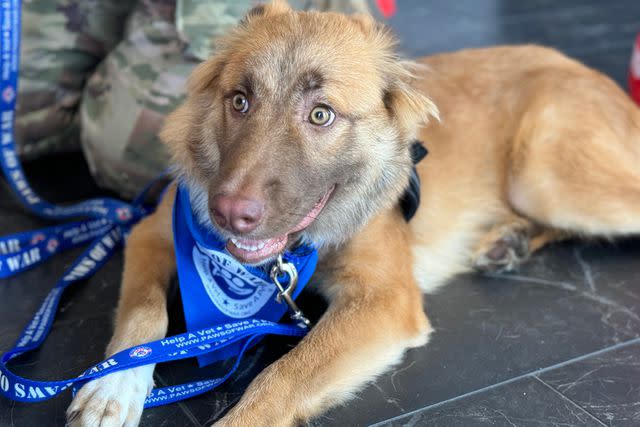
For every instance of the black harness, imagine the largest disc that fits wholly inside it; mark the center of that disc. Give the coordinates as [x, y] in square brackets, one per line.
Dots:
[410, 200]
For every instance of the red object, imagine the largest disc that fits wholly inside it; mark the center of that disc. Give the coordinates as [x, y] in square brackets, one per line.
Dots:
[634, 71]
[387, 7]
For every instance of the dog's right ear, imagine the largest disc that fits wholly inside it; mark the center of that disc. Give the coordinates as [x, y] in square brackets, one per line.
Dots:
[181, 132]
[205, 75]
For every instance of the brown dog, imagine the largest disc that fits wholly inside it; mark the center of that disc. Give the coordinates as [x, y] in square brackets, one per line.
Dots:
[301, 126]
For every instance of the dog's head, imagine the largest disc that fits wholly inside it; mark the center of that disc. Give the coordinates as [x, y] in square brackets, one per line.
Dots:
[299, 127]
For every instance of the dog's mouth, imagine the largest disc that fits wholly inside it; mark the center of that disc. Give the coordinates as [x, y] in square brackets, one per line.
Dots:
[254, 251]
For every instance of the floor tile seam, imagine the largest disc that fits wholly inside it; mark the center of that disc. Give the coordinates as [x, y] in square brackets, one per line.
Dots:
[512, 380]
[573, 402]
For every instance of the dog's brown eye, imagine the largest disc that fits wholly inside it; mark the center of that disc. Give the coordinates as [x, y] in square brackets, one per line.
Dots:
[322, 116]
[240, 103]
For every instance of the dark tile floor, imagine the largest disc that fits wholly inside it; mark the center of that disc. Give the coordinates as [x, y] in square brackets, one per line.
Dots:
[556, 344]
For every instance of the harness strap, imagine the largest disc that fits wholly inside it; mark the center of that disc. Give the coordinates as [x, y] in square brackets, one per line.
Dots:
[410, 200]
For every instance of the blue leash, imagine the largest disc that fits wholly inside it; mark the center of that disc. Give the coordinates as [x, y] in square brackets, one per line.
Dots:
[108, 221]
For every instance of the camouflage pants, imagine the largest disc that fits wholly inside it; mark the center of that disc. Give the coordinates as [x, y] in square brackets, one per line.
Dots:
[102, 74]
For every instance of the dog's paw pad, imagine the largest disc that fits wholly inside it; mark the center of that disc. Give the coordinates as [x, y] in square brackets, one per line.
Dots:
[503, 254]
[114, 400]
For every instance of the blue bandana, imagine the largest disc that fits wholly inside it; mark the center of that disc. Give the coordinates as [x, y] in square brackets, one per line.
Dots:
[216, 288]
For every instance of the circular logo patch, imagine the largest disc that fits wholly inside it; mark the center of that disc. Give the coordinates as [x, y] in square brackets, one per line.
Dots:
[124, 214]
[52, 245]
[8, 94]
[233, 290]
[140, 352]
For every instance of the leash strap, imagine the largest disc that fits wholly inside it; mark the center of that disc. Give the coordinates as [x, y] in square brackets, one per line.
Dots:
[182, 346]
[107, 223]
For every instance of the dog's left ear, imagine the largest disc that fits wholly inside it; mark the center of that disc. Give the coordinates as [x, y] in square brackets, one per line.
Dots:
[410, 108]
[276, 7]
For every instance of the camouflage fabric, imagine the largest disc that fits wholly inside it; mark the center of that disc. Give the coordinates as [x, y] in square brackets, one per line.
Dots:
[199, 22]
[62, 42]
[126, 99]
[344, 6]
[143, 78]
[194, 19]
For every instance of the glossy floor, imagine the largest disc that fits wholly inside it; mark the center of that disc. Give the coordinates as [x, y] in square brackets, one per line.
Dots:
[556, 344]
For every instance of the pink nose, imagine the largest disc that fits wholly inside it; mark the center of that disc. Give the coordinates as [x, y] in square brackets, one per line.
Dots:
[236, 213]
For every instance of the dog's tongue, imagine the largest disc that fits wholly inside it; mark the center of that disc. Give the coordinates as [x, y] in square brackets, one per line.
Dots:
[250, 251]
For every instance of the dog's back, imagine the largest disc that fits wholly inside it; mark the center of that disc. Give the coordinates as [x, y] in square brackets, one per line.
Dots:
[529, 141]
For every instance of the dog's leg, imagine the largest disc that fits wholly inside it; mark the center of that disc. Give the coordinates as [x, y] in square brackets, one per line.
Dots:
[579, 172]
[117, 399]
[510, 242]
[375, 314]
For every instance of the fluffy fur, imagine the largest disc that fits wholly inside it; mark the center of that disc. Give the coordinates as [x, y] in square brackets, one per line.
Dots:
[373, 91]
[531, 147]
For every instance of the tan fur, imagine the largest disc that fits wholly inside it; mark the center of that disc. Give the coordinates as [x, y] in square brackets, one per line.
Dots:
[531, 147]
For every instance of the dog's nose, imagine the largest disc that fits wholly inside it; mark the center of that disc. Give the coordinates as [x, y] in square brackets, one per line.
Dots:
[235, 213]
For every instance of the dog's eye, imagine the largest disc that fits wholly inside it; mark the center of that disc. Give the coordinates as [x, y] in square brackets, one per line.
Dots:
[240, 103]
[322, 116]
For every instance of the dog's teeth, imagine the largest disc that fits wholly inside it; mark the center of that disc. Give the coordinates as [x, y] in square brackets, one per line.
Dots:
[247, 247]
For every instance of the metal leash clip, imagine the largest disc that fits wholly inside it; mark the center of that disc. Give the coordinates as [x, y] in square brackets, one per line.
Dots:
[279, 269]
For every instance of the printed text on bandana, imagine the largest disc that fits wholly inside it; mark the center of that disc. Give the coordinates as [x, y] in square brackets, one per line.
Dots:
[234, 291]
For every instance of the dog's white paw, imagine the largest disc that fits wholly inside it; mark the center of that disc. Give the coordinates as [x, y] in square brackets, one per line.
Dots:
[114, 400]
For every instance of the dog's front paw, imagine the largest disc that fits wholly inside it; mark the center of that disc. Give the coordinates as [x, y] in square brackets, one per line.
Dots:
[114, 400]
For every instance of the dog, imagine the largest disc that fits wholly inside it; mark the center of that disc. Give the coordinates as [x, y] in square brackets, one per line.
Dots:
[300, 128]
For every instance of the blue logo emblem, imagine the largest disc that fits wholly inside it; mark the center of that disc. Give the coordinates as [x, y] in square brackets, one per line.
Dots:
[233, 290]
[140, 352]
[124, 214]
[52, 245]
[37, 238]
[8, 94]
